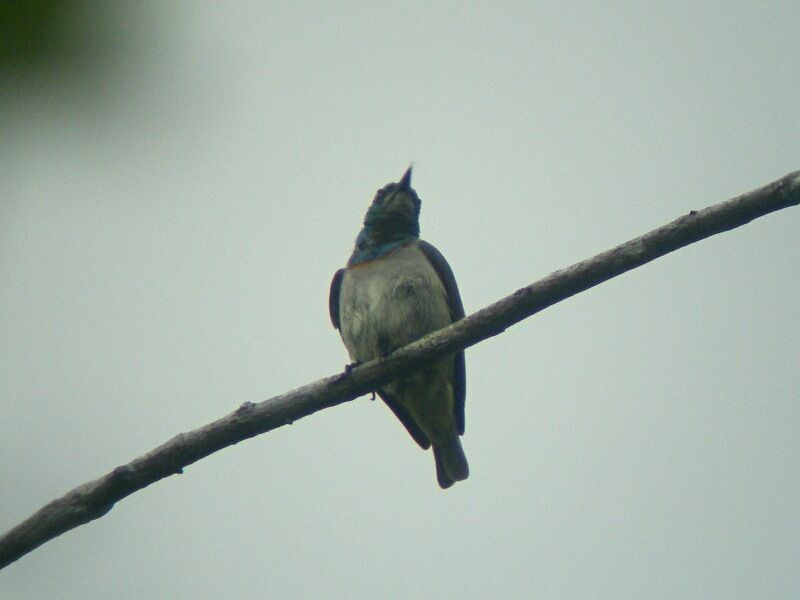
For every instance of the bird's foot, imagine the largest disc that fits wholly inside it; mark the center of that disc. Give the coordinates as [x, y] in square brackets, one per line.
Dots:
[351, 366]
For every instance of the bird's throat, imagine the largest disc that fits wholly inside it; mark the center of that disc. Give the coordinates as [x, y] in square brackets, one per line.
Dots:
[371, 249]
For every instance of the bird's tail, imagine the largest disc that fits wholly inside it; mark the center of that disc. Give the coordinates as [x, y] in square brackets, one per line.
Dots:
[451, 463]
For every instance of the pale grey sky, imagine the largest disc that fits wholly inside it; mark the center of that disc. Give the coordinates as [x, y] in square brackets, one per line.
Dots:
[168, 232]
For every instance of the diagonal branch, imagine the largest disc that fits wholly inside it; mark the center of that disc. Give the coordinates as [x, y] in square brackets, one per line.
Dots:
[95, 498]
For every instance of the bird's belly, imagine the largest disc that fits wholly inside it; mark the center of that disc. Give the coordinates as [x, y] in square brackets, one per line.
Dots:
[383, 308]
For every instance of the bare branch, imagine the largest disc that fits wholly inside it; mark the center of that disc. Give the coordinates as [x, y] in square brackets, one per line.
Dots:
[95, 498]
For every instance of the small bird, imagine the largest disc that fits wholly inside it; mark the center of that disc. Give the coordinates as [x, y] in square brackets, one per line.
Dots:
[395, 289]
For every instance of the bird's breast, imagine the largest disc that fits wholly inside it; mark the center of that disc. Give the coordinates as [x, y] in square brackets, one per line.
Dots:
[386, 303]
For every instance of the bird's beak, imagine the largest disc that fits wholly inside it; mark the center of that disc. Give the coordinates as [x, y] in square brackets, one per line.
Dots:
[405, 181]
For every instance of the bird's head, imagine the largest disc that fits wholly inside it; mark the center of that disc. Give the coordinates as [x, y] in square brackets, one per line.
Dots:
[395, 209]
[391, 220]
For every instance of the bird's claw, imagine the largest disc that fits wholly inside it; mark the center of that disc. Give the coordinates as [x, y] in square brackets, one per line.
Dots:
[351, 366]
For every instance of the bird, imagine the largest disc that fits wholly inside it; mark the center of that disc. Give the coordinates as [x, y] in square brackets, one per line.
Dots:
[397, 288]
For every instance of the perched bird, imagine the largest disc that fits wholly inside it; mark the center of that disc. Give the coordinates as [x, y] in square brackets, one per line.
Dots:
[395, 289]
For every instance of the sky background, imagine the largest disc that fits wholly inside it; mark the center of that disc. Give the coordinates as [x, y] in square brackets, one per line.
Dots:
[177, 196]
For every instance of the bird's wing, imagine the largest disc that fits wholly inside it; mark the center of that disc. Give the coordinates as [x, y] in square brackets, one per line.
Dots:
[405, 418]
[447, 278]
[333, 298]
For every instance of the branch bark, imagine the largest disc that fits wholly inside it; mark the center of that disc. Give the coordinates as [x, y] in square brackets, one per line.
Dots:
[95, 498]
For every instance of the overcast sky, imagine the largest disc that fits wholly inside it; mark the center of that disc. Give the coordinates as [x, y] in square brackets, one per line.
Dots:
[170, 223]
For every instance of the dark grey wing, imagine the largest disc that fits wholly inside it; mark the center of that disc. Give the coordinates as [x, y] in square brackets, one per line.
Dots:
[405, 418]
[333, 298]
[445, 273]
